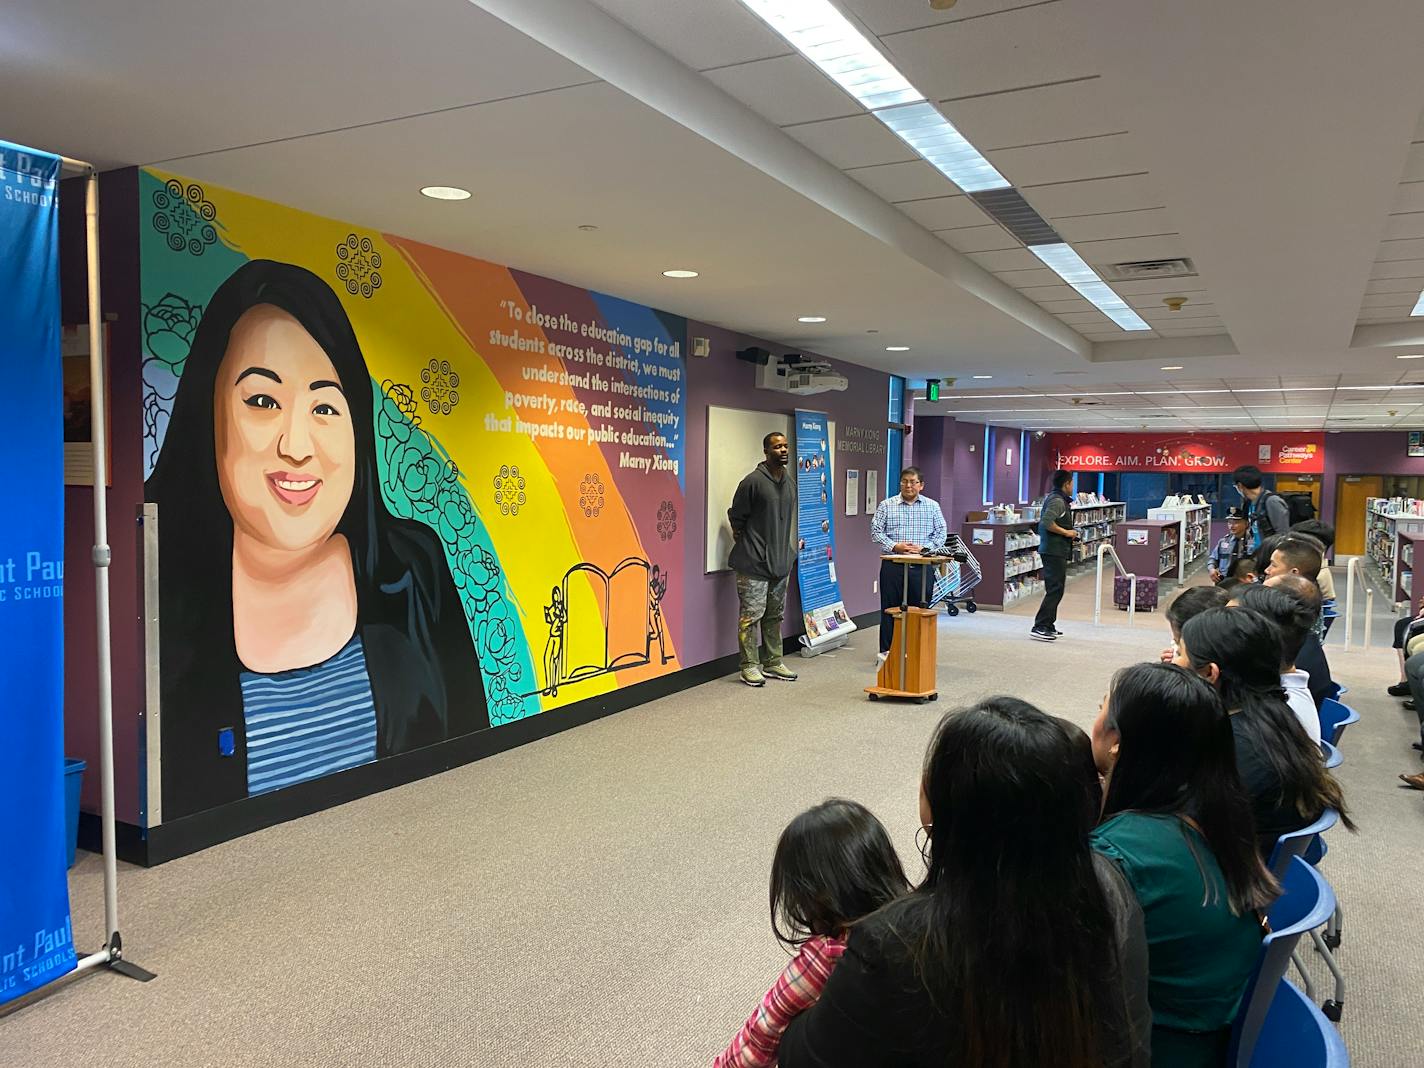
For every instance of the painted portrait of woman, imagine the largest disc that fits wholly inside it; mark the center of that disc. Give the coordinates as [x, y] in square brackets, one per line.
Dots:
[304, 629]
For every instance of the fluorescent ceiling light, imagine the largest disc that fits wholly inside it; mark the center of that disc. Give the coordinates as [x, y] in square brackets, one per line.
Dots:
[1069, 266]
[923, 128]
[679, 274]
[445, 192]
[817, 30]
[811, 319]
[1419, 305]
[1412, 356]
[983, 376]
[1173, 367]
[897, 348]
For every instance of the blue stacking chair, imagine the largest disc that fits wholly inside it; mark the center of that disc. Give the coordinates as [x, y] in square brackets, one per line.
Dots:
[1298, 843]
[1306, 902]
[1332, 756]
[1334, 718]
[1296, 1033]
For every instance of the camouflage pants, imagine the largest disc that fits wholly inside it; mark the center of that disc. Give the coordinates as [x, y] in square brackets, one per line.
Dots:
[762, 602]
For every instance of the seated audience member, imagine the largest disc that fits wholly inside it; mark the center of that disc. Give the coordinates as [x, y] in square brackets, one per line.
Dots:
[1229, 584]
[1192, 601]
[1283, 771]
[1020, 947]
[1414, 673]
[1402, 635]
[1311, 658]
[1245, 570]
[1177, 821]
[1322, 573]
[1324, 533]
[833, 865]
[1294, 621]
[1294, 556]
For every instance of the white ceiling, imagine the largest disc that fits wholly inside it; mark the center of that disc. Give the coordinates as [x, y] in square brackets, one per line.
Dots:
[1283, 156]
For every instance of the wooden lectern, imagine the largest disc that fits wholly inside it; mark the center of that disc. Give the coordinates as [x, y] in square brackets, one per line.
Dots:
[909, 670]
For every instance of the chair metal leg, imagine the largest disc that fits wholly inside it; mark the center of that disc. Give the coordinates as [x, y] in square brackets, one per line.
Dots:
[1308, 983]
[1331, 1007]
[1333, 928]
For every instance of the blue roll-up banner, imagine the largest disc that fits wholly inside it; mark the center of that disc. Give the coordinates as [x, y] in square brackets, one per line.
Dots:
[822, 612]
[36, 943]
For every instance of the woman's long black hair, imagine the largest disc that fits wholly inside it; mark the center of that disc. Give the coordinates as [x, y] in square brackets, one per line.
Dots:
[834, 864]
[196, 526]
[1019, 946]
[1246, 648]
[1176, 755]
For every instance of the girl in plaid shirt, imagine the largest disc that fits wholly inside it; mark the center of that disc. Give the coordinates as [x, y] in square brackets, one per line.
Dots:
[833, 865]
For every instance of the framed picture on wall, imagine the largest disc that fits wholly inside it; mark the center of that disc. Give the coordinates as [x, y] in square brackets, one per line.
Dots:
[78, 407]
[1416, 443]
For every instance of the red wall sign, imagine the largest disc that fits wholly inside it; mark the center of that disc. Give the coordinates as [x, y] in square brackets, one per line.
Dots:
[1222, 453]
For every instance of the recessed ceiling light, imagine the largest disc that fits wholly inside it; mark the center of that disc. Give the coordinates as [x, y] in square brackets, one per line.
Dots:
[588, 228]
[1173, 367]
[811, 319]
[1412, 356]
[445, 192]
[983, 376]
[679, 273]
[897, 348]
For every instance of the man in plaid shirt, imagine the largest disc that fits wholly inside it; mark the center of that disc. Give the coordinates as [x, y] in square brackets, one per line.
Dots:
[796, 990]
[909, 523]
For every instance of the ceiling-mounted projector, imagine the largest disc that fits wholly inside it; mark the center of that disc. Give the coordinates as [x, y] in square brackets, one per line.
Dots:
[802, 375]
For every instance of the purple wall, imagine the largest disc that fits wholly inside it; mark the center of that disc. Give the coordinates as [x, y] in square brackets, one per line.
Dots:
[1382, 452]
[709, 627]
[119, 279]
[951, 454]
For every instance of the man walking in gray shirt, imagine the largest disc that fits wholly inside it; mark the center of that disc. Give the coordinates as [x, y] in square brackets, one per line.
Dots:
[763, 518]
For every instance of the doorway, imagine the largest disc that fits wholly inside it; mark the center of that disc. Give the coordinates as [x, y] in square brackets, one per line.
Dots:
[1350, 494]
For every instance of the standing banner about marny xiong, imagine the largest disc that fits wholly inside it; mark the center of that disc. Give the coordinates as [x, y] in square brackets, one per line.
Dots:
[36, 943]
[822, 612]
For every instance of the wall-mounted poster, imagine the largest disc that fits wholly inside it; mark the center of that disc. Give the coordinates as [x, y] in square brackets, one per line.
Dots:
[982, 536]
[872, 491]
[414, 494]
[78, 408]
[1416, 443]
[1136, 536]
[852, 494]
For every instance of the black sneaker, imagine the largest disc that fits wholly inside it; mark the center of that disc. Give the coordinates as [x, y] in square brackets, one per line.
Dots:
[1057, 633]
[1043, 635]
[1399, 689]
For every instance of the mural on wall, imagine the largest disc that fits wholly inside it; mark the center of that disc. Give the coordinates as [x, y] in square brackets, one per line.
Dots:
[403, 494]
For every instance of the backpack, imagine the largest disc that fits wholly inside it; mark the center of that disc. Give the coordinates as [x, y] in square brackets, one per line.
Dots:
[1301, 508]
[1261, 519]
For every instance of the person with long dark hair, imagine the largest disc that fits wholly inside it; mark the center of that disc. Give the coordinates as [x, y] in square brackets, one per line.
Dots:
[1177, 822]
[1239, 653]
[834, 864]
[304, 630]
[1021, 948]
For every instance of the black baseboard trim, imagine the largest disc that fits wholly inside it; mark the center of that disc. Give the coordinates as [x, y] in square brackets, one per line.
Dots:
[190, 834]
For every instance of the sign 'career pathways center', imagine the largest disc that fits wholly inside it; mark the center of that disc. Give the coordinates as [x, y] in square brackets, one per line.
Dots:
[1301, 453]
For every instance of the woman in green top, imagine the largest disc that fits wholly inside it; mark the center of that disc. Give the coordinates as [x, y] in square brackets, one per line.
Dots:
[1177, 821]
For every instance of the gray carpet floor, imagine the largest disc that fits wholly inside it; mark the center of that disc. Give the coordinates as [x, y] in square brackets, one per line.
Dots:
[599, 898]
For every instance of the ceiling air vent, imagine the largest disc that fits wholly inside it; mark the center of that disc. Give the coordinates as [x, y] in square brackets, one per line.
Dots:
[1140, 270]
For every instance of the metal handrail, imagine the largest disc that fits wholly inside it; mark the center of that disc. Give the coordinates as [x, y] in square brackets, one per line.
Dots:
[1105, 548]
[1356, 564]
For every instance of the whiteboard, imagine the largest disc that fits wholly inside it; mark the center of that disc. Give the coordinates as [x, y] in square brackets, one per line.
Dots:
[733, 450]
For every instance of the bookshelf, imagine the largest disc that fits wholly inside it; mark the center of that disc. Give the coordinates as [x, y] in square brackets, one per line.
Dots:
[1194, 533]
[1095, 523]
[1150, 546]
[1010, 566]
[1394, 527]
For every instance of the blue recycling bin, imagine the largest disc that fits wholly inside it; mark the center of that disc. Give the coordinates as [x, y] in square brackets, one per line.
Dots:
[73, 779]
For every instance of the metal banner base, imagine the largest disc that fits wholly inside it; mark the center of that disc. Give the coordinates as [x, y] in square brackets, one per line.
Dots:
[809, 651]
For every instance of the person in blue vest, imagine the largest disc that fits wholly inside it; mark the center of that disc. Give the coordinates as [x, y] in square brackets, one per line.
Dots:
[1230, 548]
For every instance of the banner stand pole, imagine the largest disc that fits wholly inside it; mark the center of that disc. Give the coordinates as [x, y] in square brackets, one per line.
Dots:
[112, 953]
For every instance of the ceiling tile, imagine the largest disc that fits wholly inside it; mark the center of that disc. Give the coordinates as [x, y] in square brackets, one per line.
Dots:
[1056, 291]
[1400, 269]
[1414, 163]
[1066, 161]
[1191, 288]
[1410, 224]
[1394, 285]
[857, 141]
[1390, 300]
[1018, 259]
[785, 90]
[700, 35]
[895, 16]
[978, 238]
[941, 213]
[1034, 116]
[915, 180]
[1022, 279]
[1083, 230]
[1401, 250]
[967, 58]
[1202, 331]
[1099, 195]
[1129, 249]
[1409, 197]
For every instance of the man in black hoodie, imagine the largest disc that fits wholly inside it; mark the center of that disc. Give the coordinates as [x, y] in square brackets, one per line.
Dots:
[763, 518]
